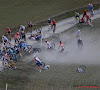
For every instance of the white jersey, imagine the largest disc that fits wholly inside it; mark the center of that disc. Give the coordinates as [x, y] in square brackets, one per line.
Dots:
[4, 39]
[38, 59]
[62, 45]
[48, 44]
[78, 33]
[22, 27]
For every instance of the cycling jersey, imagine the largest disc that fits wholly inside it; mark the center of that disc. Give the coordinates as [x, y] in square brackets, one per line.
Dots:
[54, 22]
[78, 33]
[48, 44]
[4, 39]
[62, 45]
[87, 16]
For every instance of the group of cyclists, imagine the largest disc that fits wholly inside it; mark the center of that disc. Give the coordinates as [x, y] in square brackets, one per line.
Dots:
[12, 51]
[88, 17]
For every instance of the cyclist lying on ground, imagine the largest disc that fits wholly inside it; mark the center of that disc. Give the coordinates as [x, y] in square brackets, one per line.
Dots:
[36, 37]
[11, 65]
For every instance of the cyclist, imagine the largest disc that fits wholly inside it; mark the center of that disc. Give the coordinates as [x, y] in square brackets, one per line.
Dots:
[88, 19]
[8, 32]
[30, 26]
[78, 33]
[62, 46]
[80, 42]
[49, 24]
[5, 39]
[11, 65]
[22, 31]
[48, 44]
[77, 17]
[17, 38]
[54, 25]
[38, 63]
[90, 8]
[84, 13]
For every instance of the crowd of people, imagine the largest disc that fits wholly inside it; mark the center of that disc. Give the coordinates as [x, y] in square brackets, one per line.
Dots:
[86, 18]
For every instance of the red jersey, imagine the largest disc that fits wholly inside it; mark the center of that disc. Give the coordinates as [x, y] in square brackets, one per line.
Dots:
[54, 22]
[87, 16]
[7, 29]
[62, 45]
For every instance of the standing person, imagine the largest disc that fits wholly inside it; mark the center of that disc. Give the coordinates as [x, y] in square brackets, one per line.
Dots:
[78, 33]
[8, 32]
[21, 30]
[84, 13]
[54, 25]
[77, 17]
[30, 26]
[62, 46]
[80, 42]
[17, 37]
[49, 24]
[38, 63]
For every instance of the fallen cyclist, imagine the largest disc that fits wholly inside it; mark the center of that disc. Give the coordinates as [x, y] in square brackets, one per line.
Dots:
[11, 65]
[36, 37]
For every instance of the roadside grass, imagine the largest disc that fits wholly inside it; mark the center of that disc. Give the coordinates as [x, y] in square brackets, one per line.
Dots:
[14, 13]
[61, 76]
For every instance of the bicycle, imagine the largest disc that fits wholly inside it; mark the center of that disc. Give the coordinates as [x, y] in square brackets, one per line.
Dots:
[81, 69]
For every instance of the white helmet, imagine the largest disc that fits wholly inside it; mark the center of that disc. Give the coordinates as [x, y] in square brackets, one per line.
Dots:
[48, 18]
[46, 40]
[3, 36]
[89, 4]
[78, 30]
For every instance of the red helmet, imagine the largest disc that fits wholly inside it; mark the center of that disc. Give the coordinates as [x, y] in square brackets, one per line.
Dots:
[7, 27]
[17, 32]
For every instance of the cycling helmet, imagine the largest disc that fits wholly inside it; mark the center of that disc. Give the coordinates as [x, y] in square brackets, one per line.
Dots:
[17, 32]
[3, 36]
[79, 30]
[45, 40]
[7, 27]
[48, 18]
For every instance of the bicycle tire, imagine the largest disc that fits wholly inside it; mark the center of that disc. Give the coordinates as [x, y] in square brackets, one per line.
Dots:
[52, 45]
[36, 50]
[31, 62]
[82, 67]
[29, 46]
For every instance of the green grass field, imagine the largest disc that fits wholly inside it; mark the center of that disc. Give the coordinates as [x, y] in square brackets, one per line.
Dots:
[14, 13]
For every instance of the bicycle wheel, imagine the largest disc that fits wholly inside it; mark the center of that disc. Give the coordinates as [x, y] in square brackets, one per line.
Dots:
[35, 50]
[82, 67]
[31, 62]
[52, 45]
